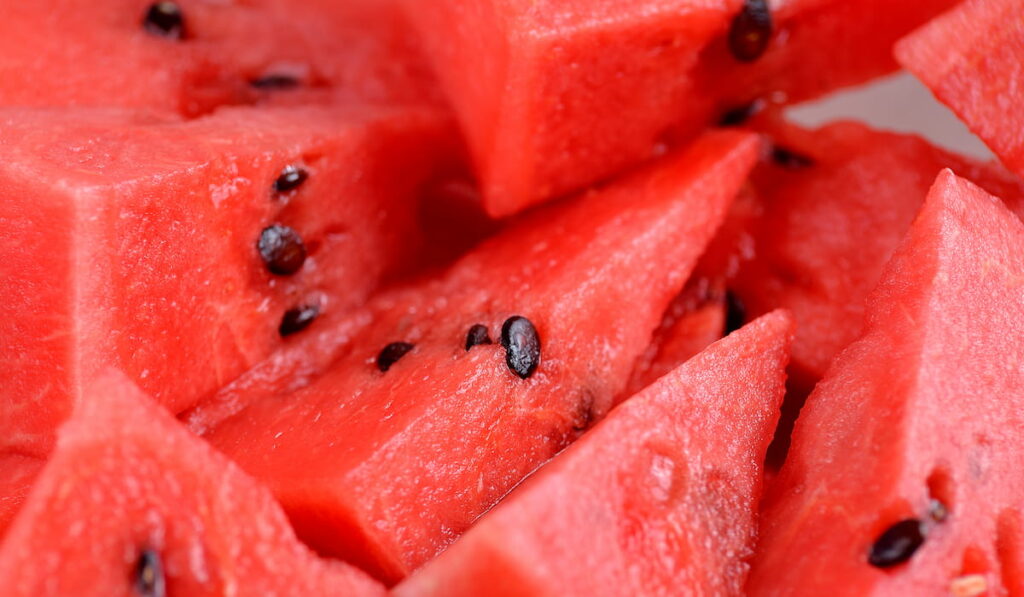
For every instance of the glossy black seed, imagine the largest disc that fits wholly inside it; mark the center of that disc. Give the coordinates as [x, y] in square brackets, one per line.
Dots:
[281, 249]
[391, 353]
[291, 178]
[297, 319]
[477, 335]
[751, 30]
[790, 159]
[522, 345]
[271, 82]
[149, 575]
[740, 114]
[735, 312]
[165, 19]
[897, 544]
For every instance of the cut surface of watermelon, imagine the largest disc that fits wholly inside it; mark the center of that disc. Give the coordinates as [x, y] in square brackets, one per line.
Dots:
[555, 95]
[131, 500]
[660, 498]
[902, 477]
[137, 242]
[972, 58]
[835, 203]
[216, 53]
[408, 437]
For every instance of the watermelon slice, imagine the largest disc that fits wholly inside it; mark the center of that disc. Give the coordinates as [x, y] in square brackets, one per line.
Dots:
[660, 495]
[156, 247]
[190, 56]
[424, 420]
[132, 501]
[903, 477]
[555, 95]
[971, 58]
[835, 204]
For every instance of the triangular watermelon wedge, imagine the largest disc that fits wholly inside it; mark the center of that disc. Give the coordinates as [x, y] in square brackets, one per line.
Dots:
[904, 475]
[133, 504]
[413, 433]
[660, 498]
[972, 58]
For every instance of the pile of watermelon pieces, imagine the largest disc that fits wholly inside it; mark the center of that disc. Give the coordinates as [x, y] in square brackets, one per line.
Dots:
[506, 298]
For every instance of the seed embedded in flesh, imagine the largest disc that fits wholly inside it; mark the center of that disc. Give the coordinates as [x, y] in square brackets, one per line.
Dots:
[165, 19]
[281, 249]
[740, 114]
[291, 178]
[897, 544]
[790, 159]
[751, 30]
[522, 345]
[392, 353]
[271, 82]
[297, 319]
[477, 335]
[735, 312]
[149, 575]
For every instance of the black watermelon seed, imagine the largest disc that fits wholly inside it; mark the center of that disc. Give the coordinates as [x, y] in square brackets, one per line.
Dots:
[149, 575]
[790, 159]
[391, 353]
[297, 319]
[735, 312]
[751, 30]
[271, 82]
[740, 114]
[522, 345]
[477, 335]
[897, 544]
[290, 178]
[165, 19]
[281, 249]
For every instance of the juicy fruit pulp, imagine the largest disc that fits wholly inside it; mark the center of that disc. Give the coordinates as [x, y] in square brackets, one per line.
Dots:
[920, 418]
[673, 474]
[831, 222]
[970, 58]
[219, 53]
[440, 436]
[140, 252]
[555, 94]
[131, 503]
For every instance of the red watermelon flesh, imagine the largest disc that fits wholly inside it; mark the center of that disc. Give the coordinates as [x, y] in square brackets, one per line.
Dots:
[830, 223]
[106, 56]
[387, 468]
[971, 58]
[126, 478]
[695, 319]
[660, 498]
[920, 419]
[554, 94]
[131, 241]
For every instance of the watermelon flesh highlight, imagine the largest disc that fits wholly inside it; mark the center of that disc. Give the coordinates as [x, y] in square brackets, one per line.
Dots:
[925, 407]
[132, 240]
[335, 52]
[555, 95]
[386, 469]
[971, 59]
[126, 477]
[660, 498]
